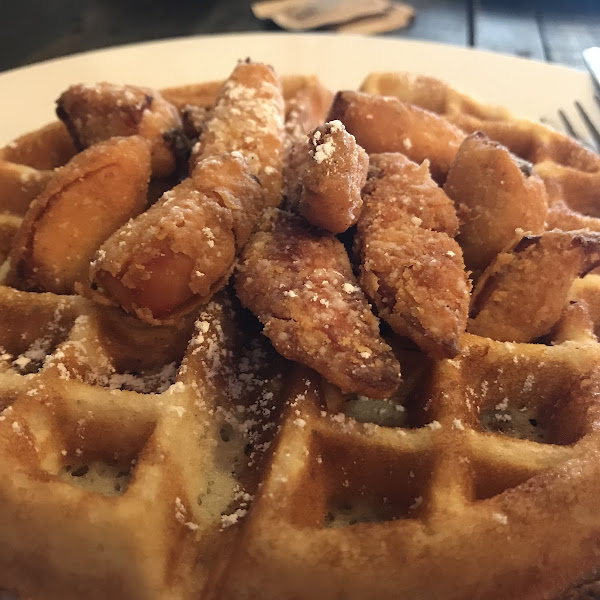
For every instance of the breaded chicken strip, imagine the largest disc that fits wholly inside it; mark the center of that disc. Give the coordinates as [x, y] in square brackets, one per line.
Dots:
[83, 203]
[20, 185]
[248, 118]
[385, 124]
[177, 254]
[495, 193]
[334, 175]
[411, 267]
[306, 108]
[93, 113]
[522, 294]
[299, 283]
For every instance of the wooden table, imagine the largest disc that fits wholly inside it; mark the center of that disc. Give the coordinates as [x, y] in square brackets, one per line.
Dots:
[34, 30]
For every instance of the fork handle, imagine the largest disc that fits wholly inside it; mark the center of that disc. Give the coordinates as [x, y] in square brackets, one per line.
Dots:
[591, 58]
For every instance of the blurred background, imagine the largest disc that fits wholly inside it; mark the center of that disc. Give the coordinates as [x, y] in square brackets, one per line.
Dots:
[35, 30]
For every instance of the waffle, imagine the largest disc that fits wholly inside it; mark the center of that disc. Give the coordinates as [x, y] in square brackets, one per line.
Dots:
[571, 173]
[189, 459]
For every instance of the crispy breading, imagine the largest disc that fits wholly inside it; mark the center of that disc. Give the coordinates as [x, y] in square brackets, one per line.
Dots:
[334, 175]
[385, 124]
[9, 227]
[193, 119]
[521, 295]
[98, 112]
[177, 254]
[85, 202]
[495, 193]
[299, 282]
[248, 118]
[570, 171]
[411, 267]
[19, 186]
[306, 107]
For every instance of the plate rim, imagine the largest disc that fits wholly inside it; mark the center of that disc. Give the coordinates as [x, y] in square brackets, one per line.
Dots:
[471, 70]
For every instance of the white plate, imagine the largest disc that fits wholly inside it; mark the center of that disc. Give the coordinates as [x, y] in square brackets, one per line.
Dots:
[529, 88]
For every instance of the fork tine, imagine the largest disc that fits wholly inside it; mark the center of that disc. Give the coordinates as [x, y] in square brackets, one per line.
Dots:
[597, 99]
[591, 127]
[567, 125]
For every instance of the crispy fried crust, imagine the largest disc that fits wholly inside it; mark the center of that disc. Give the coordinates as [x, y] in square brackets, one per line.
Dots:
[307, 103]
[177, 254]
[411, 268]
[495, 193]
[85, 201]
[193, 119]
[9, 227]
[532, 141]
[521, 295]
[101, 111]
[385, 124]
[299, 283]
[334, 175]
[570, 171]
[19, 185]
[248, 118]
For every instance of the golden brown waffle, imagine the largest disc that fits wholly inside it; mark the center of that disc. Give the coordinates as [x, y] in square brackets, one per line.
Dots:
[570, 171]
[133, 480]
[191, 461]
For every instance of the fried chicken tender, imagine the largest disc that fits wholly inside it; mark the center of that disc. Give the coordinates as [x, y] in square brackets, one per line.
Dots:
[306, 107]
[299, 282]
[101, 111]
[176, 255]
[334, 175]
[19, 186]
[411, 267]
[521, 295]
[248, 118]
[385, 124]
[495, 193]
[193, 119]
[570, 171]
[9, 227]
[85, 201]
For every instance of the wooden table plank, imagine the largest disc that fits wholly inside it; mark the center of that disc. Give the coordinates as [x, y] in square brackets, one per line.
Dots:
[507, 27]
[567, 30]
[63, 27]
[439, 21]
[33, 30]
[30, 24]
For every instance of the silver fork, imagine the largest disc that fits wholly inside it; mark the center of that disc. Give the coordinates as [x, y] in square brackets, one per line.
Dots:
[594, 143]
[591, 58]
